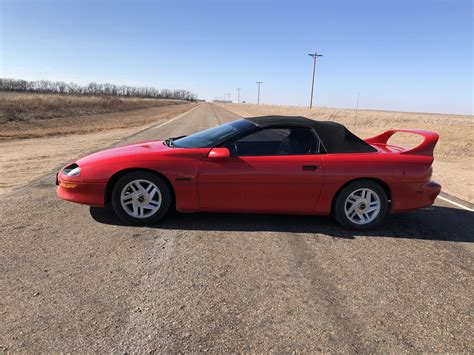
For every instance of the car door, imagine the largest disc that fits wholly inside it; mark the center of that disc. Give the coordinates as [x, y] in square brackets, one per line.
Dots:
[276, 169]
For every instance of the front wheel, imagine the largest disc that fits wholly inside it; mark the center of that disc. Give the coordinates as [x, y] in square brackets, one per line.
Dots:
[361, 205]
[141, 197]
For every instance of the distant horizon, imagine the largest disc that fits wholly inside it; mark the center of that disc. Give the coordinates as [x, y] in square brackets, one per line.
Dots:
[233, 102]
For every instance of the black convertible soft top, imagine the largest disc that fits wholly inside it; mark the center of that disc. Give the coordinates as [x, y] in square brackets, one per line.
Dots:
[335, 137]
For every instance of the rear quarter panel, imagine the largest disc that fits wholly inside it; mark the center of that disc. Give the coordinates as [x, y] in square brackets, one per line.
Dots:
[401, 173]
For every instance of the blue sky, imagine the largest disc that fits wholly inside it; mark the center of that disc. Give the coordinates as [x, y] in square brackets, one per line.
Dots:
[400, 55]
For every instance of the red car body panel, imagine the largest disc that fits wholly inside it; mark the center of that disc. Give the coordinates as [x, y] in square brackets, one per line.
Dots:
[293, 184]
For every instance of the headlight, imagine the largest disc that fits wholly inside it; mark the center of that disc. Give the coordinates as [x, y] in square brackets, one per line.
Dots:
[72, 170]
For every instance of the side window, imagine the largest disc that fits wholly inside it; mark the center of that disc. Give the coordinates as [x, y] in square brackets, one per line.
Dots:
[276, 141]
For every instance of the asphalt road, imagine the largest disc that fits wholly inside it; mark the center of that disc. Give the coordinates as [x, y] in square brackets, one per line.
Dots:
[74, 279]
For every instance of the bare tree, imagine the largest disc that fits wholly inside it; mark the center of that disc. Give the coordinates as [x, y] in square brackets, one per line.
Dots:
[95, 89]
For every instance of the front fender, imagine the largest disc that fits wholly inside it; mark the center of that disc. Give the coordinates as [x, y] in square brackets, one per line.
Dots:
[181, 174]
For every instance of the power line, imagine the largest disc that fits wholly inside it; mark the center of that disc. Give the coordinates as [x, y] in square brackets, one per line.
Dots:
[315, 57]
[258, 97]
[357, 108]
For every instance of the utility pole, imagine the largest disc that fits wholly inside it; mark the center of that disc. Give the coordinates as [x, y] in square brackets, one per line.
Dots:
[357, 108]
[258, 97]
[315, 57]
[238, 95]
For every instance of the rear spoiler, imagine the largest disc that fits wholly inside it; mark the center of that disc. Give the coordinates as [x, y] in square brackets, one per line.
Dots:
[424, 148]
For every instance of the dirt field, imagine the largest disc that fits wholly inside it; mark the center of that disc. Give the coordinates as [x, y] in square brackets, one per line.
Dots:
[454, 155]
[34, 146]
[42, 115]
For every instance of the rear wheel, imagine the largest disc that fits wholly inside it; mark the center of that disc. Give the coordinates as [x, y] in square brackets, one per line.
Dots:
[361, 205]
[141, 197]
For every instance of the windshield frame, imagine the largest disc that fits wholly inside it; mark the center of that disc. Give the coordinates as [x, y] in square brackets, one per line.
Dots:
[249, 127]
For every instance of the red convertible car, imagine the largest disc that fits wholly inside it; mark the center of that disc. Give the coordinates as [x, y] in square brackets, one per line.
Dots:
[271, 164]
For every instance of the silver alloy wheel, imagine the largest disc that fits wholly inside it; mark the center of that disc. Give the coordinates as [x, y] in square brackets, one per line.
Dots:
[140, 198]
[362, 206]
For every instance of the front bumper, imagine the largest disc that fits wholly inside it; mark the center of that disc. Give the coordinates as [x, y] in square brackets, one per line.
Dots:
[92, 194]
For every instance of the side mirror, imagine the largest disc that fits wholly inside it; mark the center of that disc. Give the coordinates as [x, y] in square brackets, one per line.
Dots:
[219, 153]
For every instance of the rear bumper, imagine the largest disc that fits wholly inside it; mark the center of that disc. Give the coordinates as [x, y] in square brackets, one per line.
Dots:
[411, 196]
[91, 194]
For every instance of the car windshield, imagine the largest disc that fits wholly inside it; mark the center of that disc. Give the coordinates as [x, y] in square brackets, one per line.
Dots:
[213, 136]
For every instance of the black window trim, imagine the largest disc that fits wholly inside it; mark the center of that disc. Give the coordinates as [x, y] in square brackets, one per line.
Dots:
[320, 148]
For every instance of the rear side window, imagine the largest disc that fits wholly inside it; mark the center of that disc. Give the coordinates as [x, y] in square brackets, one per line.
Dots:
[276, 141]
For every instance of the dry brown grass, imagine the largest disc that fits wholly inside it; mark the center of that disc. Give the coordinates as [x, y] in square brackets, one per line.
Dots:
[42, 148]
[16, 107]
[41, 115]
[456, 131]
[454, 153]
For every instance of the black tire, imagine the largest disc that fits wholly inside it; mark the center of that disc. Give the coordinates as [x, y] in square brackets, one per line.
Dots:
[339, 213]
[157, 215]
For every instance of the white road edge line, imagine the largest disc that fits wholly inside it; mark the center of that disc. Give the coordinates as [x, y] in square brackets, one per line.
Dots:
[179, 116]
[455, 203]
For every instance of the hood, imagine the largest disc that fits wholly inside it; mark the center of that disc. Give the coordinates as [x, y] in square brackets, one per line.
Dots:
[123, 153]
